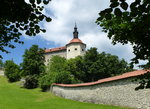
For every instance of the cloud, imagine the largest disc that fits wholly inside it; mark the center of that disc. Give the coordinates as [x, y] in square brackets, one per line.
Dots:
[65, 13]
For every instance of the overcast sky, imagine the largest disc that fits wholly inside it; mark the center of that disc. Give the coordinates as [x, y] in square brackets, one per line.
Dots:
[64, 14]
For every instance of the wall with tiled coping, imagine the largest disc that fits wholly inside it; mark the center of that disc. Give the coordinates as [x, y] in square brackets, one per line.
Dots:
[119, 92]
[1, 72]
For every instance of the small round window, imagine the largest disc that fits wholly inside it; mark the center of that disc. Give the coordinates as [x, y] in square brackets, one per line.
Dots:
[75, 49]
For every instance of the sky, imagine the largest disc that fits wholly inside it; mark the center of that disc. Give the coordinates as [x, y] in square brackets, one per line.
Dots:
[64, 14]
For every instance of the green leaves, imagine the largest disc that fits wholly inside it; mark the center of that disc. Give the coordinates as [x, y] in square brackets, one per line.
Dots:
[128, 24]
[15, 30]
[33, 61]
[118, 12]
[38, 1]
[41, 17]
[31, 24]
[12, 71]
[43, 30]
[32, 1]
[48, 19]
[124, 5]
[108, 16]
[114, 4]
[20, 16]
[46, 2]
[108, 10]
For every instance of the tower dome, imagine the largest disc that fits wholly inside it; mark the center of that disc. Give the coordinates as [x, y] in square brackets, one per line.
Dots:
[75, 47]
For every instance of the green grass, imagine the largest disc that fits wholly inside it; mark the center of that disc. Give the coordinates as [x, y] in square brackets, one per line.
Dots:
[14, 97]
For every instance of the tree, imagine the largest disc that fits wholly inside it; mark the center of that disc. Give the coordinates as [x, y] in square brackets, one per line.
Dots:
[55, 73]
[90, 67]
[94, 66]
[1, 64]
[129, 24]
[17, 16]
[102, 65]
[76, 68]
[12, 71]
[57, 70]
[56, 64]
[126, 23]
[111, 65]
[90, 64]
[33, 64]
[33, 61]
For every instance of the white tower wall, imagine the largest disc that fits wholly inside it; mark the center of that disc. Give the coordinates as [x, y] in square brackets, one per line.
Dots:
[75, 49]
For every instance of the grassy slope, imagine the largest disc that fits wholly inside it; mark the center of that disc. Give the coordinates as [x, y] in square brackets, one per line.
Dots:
[14, 97]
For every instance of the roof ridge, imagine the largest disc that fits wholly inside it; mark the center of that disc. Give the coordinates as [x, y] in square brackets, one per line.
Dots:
[55, 49]
[109, 79]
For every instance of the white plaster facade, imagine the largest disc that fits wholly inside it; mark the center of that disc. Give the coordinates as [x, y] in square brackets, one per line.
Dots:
[71, 50]
[49, 55]
[75, 49]
[2, 72]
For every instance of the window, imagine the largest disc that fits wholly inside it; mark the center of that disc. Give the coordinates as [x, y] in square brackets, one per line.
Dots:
[82, 49]
[75, 49]
[69, 50]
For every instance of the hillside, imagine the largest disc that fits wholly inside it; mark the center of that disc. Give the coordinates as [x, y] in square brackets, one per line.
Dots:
[14, 97]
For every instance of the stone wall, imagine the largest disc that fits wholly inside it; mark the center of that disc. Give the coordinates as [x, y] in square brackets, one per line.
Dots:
[120, 92]
[48, 56]
[1, 72]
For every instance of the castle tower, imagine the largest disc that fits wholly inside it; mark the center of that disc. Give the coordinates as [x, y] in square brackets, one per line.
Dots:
[75, 47]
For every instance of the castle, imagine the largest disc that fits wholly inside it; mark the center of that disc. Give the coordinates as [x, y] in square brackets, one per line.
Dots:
[72, 49]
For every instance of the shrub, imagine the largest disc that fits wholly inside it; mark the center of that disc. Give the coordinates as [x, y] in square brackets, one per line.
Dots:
[45, 82]
[31, 82]
[12, 71]
[56, 77]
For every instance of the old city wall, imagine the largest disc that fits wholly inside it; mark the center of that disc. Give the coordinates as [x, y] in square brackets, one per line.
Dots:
[1, 72]
[48, 56]
[120, 92]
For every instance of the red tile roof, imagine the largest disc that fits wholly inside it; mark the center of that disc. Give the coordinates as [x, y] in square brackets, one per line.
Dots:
[123, 76]
[75, 40]
[55, 49]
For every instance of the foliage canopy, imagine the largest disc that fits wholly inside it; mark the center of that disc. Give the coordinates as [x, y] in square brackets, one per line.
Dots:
[17, 16]
[33, 61]
[12, 71]
[32, 66]
[94, 66]
[90, 67]
[128, 23]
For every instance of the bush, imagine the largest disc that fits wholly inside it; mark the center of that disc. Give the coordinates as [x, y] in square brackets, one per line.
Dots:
[12, 71]
[31, 82]
[56, 77]
[45, 82]
[62, 77]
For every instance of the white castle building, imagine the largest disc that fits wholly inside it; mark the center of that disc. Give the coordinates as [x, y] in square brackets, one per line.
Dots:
[74, 48]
